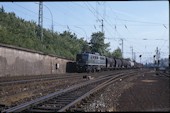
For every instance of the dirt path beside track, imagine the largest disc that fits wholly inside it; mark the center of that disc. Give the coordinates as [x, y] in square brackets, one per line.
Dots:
[150, 92]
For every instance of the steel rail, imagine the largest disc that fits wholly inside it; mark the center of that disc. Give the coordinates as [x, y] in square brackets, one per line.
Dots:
[38, 79]
[99, 87]
[50, 96]
[28, 105]
[41, 79]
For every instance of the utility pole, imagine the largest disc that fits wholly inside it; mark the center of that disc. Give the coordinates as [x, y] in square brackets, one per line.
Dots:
[154, 61]
[40, 21]
[157, 56]
[134, 56]
[132, 52]
[169, 55]
[102, 26]
[122, 46]
[157, 60]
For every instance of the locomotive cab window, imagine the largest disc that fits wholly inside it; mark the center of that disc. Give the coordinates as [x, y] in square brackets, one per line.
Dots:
[78, 57]
[101, 58]
[84, 57]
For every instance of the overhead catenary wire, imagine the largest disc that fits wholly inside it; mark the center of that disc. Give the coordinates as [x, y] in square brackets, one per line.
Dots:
[132, 21]
[88, 6]
[65, 26]
[117, 25]
[111, 26]
[144, 22]
[92, 12]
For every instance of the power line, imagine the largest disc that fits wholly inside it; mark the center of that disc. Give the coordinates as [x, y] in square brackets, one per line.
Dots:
[37, 14]
[104, 19]
[109, 24]
[25, 8]
[45, 17]
[52, 26]
[19, 10]
[70, 11]
[120, 25]
[31, 11]
[92, 11]
[136, 21]
[139, 21]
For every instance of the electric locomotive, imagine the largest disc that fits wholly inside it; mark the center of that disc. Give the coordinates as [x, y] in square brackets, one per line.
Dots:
[90, 62]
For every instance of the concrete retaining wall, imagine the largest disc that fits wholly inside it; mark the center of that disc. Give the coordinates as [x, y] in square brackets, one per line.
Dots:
[18, 61]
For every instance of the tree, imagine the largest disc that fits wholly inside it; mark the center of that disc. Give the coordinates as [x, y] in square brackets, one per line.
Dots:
[68, 34]
[19, 32]
[86, 48]
[117, 53]
[97, 43]
[2, 9]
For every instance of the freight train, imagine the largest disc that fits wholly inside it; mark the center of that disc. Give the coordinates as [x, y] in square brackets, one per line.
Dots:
[94, 62]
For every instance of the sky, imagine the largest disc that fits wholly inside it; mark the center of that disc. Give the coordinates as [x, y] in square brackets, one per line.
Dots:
[142, 25]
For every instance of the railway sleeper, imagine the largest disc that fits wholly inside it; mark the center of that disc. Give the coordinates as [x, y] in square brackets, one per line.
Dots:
[39, 111]
[66, 97]
[51, 105]
[75, 110]
[52, 109]
[85, 103]
[63, 100]
[57, 101]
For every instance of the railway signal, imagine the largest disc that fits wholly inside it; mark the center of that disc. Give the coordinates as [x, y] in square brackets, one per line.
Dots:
[140, 57]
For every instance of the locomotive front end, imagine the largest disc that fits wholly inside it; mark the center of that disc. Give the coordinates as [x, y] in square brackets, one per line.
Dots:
[81, 62]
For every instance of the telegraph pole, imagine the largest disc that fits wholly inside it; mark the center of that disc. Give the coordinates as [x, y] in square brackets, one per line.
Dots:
[132, 52]
[102, 26]
[122, 46]
[134, 56]
[157, 60]
[157, 56]
[40, 21]
[169, 55]
[154, 61]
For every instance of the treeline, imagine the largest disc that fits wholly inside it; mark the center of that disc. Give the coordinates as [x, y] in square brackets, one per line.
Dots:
[16, 31]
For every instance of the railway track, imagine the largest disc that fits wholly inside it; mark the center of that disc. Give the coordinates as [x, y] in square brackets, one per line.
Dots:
[63, 100]
[163, 73]
[8, 81]
[11, 80]
[15, 94]
[28, 77]
[37, 79]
